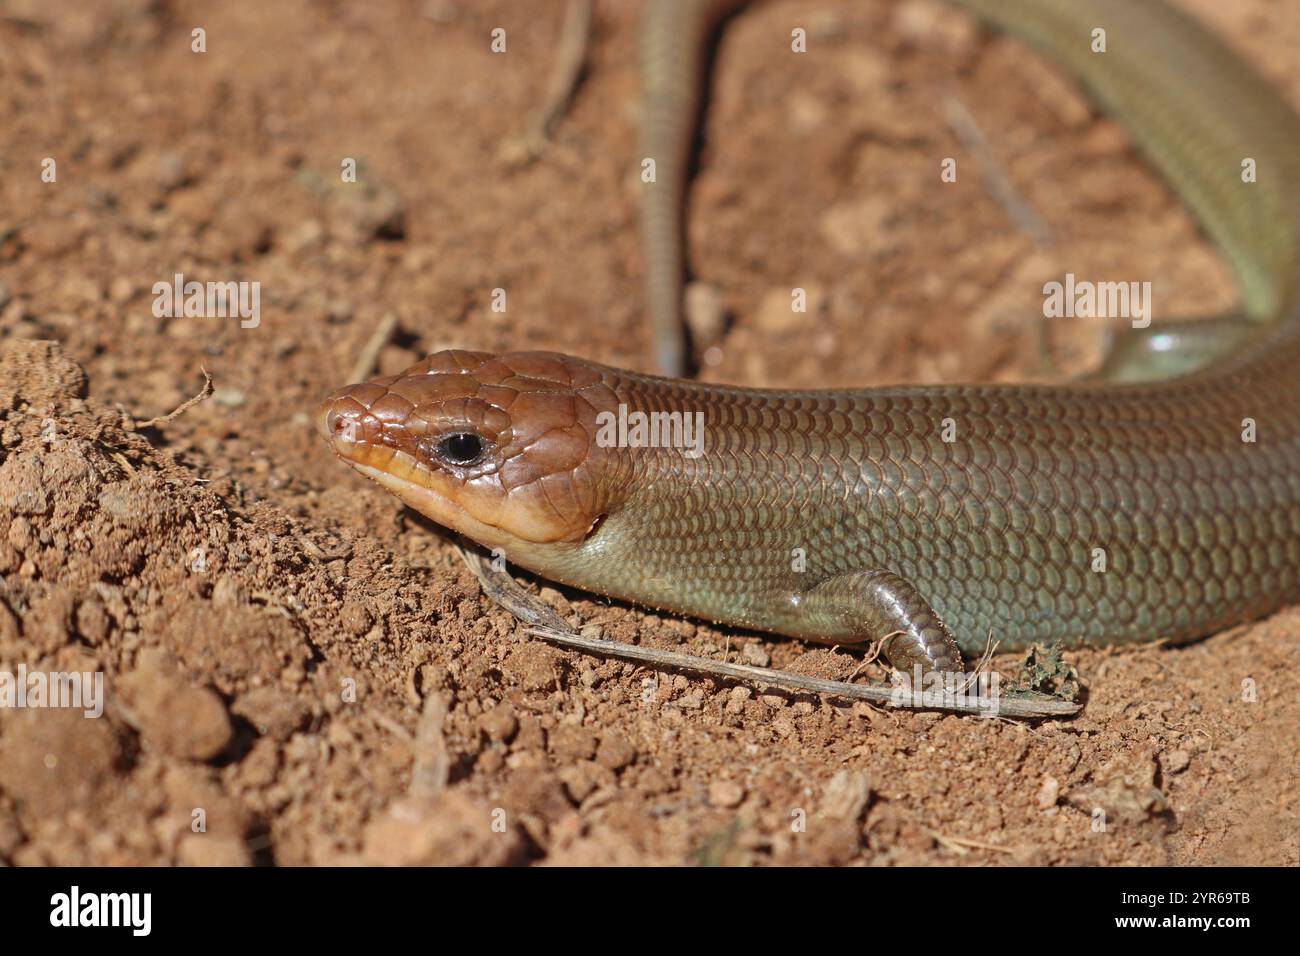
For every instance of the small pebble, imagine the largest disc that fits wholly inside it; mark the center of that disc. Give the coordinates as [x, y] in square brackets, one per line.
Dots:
[571, 742]
[1048, 793]
[726, 794]
[1175, 761]
[615, 752]
[737, 699]
[229, 397]
[355, 618]
[499, 723]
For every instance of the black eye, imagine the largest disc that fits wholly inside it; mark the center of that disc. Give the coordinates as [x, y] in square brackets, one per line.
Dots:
[462, 448]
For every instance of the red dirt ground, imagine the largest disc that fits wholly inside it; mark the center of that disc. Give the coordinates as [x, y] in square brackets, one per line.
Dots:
[277, 636]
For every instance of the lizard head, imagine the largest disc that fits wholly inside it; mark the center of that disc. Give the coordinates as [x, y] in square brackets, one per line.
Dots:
[500, 448]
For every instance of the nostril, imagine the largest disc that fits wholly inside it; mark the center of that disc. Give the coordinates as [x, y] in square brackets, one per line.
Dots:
[346, 427]
[343, 420]
[332, 421]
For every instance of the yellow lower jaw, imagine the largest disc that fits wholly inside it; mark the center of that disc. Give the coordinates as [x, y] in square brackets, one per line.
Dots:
[433, 506]
[400, 474]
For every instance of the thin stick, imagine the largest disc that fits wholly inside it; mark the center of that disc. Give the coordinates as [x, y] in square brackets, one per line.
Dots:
[878, 693]
[959, 844]
[542, 621]
[432, 765]
[1005, 194]
[574, 35]
[368, 357]
[204, 394]
[990, 646]
[970, 135]
[566, 70]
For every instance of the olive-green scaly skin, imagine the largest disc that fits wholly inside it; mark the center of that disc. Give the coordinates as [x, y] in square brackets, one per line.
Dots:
[1001, 529]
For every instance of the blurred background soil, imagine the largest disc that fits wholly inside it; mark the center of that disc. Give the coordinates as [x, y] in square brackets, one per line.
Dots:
[290, 652]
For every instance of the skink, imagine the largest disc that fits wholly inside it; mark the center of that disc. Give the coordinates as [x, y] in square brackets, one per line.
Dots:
[1094, 513]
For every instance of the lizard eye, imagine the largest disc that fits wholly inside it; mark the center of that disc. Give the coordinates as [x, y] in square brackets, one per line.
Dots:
[460, 449]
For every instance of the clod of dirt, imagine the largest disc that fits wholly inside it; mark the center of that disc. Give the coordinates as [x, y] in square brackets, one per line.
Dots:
[41, 373]
[450, 830]
[1125, 791]
[53, 761]
[173, 717]
[535, 666]
[615, 752]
